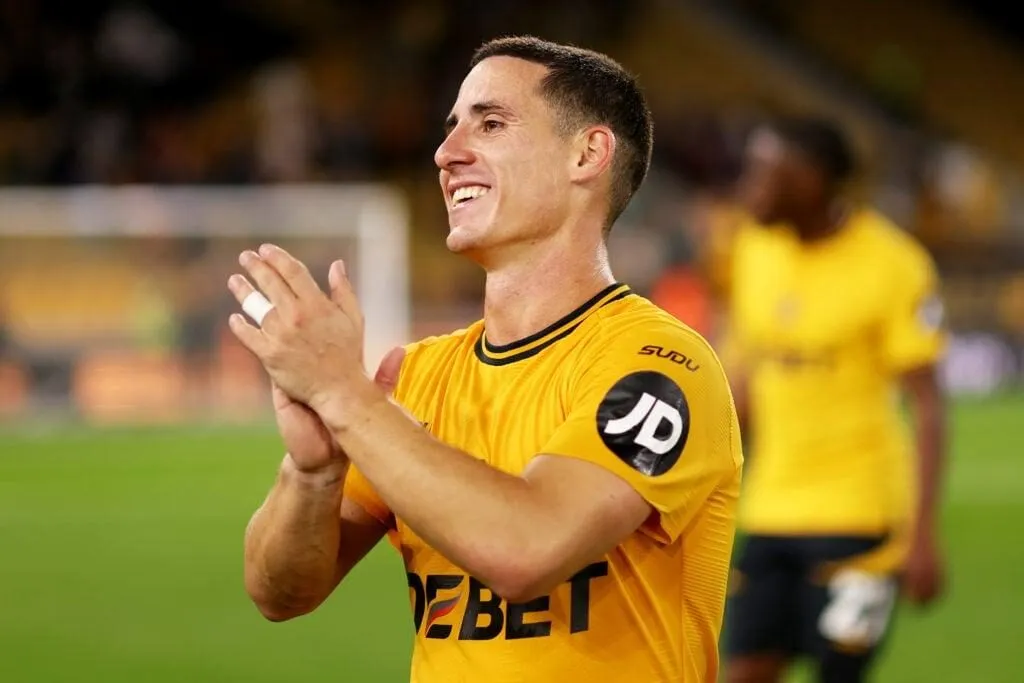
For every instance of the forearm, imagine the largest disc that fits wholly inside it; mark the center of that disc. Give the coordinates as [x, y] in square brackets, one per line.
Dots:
[930, 430]
[291, 545]
[482, 519]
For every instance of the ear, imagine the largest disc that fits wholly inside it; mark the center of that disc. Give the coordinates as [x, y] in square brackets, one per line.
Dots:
[593, 150]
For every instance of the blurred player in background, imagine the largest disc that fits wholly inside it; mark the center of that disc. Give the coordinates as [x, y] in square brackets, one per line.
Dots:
[564, 500]
[833, 311]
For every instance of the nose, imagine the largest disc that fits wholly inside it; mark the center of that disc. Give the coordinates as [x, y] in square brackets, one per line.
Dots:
[453, 150]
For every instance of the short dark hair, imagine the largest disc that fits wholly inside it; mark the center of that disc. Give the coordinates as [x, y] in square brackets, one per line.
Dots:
[587, 87]
[820, 140]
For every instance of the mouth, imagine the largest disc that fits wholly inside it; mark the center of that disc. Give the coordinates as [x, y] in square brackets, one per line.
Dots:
[467, 194]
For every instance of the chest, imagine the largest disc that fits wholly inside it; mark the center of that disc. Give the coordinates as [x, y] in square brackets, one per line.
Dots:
[501, 414]
[814, 300]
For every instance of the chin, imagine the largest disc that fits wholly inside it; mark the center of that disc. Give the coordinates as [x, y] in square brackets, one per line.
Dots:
[462, 239]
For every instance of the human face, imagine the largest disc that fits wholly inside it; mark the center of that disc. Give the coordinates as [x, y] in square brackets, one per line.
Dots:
[778, 184]
[503, 164]
[763, 179]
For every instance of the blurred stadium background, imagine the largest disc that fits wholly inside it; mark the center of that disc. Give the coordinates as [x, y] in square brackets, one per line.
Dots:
[143, 144]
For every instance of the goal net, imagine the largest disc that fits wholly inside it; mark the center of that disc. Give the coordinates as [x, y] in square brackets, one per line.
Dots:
[114, 305]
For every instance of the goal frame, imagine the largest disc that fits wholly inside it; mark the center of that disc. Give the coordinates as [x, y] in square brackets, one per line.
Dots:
[374, 215]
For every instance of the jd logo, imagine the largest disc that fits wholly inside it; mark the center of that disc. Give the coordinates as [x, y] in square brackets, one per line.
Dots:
[487, 616]
[669, 355]
[652, 412]
[644, 419]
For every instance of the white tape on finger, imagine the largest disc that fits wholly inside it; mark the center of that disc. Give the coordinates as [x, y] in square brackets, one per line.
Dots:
[256, 306]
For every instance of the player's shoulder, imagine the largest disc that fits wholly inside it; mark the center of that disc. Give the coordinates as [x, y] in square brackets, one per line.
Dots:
[749, 233]
[754, 243]
[436, 348]
[884, 238]
[641, 353]
[636, 326]
[430, 359]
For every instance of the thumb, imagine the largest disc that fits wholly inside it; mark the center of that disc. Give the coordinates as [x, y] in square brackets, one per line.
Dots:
[389, 368]
[280, 399]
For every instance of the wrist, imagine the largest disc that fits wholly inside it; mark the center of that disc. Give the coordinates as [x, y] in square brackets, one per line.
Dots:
[327, 476]
[340, 410]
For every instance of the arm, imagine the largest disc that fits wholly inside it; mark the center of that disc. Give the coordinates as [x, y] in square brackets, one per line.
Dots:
[913, 340]
[298, 547]
[319, 520]
[521, 536]
[929, 411]
[609, 469]
[489, 522]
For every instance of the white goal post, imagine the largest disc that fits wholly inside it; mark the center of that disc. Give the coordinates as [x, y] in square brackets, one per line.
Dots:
[373, 217]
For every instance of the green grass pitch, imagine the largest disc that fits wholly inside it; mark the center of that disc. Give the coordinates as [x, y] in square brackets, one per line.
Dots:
[121, 560]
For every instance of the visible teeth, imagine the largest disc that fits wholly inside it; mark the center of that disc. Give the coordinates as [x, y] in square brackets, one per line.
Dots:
[470, 192]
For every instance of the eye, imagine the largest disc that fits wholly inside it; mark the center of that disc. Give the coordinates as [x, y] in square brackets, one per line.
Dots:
[492, 125]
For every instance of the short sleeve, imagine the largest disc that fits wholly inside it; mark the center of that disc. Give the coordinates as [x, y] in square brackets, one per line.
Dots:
[359, 490]
[913, 333]
[653, 407]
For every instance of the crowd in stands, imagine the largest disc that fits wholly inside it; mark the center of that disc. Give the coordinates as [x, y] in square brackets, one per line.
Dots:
[222, 92]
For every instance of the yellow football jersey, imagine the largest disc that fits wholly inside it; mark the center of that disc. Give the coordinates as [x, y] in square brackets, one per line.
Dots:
[618, 383]
[824, 330]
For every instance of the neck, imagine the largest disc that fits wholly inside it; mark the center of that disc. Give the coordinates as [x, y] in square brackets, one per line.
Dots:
[526, 295]
[821, 222]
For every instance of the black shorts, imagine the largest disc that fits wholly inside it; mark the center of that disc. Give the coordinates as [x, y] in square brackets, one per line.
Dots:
[793, 595]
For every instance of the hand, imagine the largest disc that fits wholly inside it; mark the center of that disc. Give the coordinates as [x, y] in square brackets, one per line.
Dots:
[923, 573]
[306, 438]
[309, 344]
[309, 443]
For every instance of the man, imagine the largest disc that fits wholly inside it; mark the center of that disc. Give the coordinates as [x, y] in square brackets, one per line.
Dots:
[564, 498]
[833, 309]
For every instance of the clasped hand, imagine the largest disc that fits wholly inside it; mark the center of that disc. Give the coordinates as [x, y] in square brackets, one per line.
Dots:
[310, 344]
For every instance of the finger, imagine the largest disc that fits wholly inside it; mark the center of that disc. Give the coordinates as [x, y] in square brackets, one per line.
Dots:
[240, 287]
[342, 293]
[244, 293]
[250, 336]
[267, 279]
[293, 271]
[278, 397]
[389, 369]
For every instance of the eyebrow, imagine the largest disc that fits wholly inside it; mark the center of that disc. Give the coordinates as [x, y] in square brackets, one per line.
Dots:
[479, 109]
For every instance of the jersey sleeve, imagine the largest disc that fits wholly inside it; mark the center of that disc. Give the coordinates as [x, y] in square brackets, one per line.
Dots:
[653, 407]
[360, 491]
[912, 330]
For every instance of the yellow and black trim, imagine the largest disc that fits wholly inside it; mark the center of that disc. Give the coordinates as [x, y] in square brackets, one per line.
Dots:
[528, 347]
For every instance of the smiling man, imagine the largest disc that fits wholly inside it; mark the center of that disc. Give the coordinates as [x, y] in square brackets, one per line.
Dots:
[564, 498]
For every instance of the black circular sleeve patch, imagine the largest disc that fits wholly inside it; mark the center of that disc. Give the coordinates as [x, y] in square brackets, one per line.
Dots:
[644, 419]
